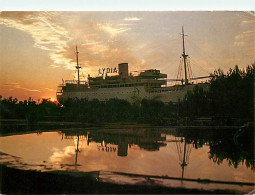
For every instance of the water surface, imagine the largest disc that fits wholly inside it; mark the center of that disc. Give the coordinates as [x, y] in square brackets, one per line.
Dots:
[157, 152]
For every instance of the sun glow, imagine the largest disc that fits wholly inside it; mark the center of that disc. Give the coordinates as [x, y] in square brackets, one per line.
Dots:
[52, 99]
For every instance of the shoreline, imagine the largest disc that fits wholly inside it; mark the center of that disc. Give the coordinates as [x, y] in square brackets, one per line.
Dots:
[10, 128]
[24, 181]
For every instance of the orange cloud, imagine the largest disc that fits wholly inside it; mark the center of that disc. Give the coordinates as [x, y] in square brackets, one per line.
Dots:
[100, 44]
[12, 86]
[47, 34]
[132, 19]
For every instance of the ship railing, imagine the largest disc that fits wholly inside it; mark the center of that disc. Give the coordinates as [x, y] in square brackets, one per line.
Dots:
[118, 85]
[83, 137]
[75, 82]
[160, 81]
[165, 89]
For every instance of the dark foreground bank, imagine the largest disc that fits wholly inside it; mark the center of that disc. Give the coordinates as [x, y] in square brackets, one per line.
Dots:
[30, 182]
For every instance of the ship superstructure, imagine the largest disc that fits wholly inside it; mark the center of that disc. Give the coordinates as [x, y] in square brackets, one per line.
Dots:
[148, 84]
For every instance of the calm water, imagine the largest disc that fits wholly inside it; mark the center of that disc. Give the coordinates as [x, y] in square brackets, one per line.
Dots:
[158, 152]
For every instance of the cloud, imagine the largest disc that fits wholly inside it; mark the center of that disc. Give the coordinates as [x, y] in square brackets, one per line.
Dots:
[132, 19]
[113, 31]
[49, 89]
[58, 155]
[12, 86]
[46, 33]
[125, 24]
[245, 38]
[106, 54]
[248, 22]
[100, 44]
[248, 17]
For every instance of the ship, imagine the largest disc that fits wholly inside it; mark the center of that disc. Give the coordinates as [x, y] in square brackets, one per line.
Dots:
[148, 84]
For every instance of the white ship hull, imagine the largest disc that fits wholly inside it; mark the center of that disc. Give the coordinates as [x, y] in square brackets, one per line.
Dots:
[164, 94]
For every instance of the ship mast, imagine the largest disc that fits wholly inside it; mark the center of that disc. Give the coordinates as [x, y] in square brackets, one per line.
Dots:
[184, 159]
[184, 57]
[76, 151]
[78, 67]
[184, 150]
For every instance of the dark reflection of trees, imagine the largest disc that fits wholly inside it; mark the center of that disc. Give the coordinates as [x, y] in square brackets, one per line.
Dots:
[236, 146]
[237, 149]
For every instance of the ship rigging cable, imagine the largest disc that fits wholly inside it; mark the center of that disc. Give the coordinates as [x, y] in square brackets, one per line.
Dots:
[200, 52]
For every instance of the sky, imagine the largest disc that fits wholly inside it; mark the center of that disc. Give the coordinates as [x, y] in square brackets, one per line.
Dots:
[37, 48]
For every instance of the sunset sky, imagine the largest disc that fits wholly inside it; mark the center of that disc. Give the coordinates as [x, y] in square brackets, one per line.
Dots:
[37, 49]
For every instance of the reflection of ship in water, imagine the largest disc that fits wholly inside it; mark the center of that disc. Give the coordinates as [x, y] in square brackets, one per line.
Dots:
[78, 142]
[183, 151]
[183, 148]
[145, 139]
[118, 141]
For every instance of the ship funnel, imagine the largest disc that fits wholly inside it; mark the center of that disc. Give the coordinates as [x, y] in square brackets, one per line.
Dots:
[123, 70]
